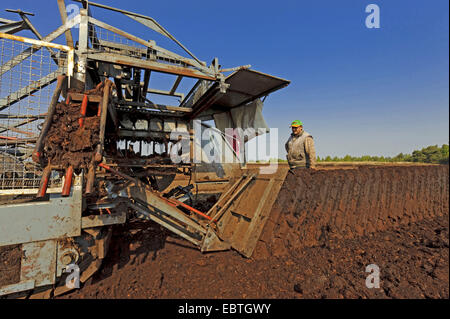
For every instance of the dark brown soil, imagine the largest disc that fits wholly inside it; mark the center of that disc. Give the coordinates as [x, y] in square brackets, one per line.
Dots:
[325, 228]
[147, 262]
[10, 257]
[314, 206]
[69, 144]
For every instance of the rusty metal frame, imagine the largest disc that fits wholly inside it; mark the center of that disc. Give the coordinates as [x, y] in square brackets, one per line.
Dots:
[41, 262]
[41, 43]
[145, 20]
[150, 65]
[66, 65]
[43, 82]
[150, 58]
[11, 27]
[150, 44]
[29, 51]
[162, 60]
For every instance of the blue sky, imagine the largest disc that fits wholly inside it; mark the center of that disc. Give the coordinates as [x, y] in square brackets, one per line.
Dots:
[357, 90]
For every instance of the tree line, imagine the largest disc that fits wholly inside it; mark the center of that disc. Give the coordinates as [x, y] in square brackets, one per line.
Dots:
[430, 154]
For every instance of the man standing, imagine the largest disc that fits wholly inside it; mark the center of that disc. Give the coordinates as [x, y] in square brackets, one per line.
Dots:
[300, 147]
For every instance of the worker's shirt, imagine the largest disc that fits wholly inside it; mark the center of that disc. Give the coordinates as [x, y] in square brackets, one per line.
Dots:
[300, 150]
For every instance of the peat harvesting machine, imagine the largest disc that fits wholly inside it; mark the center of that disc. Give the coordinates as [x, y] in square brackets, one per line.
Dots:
[85, 145]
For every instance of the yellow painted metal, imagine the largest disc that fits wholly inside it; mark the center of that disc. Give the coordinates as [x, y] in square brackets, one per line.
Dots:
[69, 50]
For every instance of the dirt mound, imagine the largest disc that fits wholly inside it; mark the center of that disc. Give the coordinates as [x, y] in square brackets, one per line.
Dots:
[314, 207]
[149, 262]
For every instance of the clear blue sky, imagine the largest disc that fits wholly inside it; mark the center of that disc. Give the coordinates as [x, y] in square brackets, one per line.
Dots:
[357, 90]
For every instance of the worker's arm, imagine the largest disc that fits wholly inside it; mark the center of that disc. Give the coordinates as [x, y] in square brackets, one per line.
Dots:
[310, 151]
[287, 149]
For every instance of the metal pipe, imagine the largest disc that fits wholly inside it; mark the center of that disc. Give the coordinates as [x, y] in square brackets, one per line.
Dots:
[183, 102]
[9, 128]
[192, 209]
[16, 141]
[48, 120]
[8, 137]
[90, 179]
[99, 111]
[22, 116]
[35, 42]
[44, 181]
[67, 182]
[123, 175]
[83, 109]
[98, 88]
[20, 12]
[170, 201]
[104, 113]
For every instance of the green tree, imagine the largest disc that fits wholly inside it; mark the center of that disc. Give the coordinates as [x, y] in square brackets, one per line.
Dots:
[429, 154]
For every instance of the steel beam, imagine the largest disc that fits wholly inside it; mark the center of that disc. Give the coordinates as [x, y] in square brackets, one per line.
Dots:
[11, 128]
[175, 84]
[12, 27]
[18, 141]
[160, 107]
[150, 199]
[149, 44]
[150, 65]
[166, 223]
[124, 133]
[83, 42]
[168, 93]
[63, 13]
[209, 98]
[29, 89]
[21, 116]
[30, 120]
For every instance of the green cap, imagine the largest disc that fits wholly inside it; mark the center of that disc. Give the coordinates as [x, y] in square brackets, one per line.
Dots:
[296, 123]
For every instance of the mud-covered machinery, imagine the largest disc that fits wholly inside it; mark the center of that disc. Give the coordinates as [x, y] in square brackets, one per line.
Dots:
[84, 146]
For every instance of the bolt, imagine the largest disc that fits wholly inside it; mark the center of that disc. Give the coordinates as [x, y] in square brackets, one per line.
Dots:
[67, 258]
